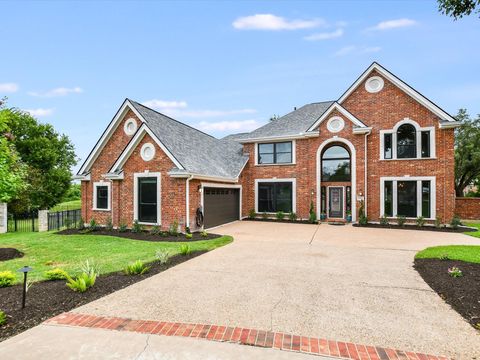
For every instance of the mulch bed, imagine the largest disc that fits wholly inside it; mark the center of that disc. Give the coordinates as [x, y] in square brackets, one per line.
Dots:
[462, 293]
[9, 254]
[282, 221]
[144, 235]
[46, 299]
[415, 227]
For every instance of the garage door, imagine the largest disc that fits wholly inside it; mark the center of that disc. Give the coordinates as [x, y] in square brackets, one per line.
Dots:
[221, 205]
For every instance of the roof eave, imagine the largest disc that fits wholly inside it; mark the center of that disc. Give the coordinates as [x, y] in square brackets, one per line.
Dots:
[201, 177]
[281, 137]
[449, 125]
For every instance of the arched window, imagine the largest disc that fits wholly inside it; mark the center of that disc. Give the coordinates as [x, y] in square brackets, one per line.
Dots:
[336, 164]
[406, 141]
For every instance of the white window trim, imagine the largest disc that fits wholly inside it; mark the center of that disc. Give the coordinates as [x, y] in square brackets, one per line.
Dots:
[136, 176]
[215, 185]
[109, 196]
[418, 179]
[294, 156]
[344, 215]
[418, 138]
[294, 191]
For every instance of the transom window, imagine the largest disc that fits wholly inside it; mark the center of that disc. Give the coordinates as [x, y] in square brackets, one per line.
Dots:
[275, 153]
[336, 164]
[274, 197]
[408, 141]
[101, 196]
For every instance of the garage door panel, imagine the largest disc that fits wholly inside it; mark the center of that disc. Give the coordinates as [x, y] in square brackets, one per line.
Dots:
[221, 205]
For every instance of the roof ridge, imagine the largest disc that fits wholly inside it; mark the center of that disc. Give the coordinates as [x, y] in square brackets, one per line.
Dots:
[170, 118]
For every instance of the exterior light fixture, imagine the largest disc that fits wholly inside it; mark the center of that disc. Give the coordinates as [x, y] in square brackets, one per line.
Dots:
[25, 271]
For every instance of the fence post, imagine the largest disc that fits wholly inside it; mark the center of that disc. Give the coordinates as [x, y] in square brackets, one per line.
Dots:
[42, 220]
[32, 216]
[3, 218]
[15, 221]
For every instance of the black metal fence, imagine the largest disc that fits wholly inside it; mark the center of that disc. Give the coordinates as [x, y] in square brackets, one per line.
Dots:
[64, 219]
[23, 222]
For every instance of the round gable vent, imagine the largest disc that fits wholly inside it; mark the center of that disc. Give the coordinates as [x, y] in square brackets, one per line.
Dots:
[147, 152]
[130, 126]
[374, 84]
[335, 124]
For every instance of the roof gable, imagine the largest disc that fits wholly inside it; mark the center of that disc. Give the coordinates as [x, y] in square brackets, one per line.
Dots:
[443, 115]
[341, 110]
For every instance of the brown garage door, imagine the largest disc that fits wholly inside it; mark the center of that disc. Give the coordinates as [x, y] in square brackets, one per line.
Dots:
[221, 205]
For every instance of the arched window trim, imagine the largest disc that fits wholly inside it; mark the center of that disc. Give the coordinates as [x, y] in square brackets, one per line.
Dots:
[339, 158]
[418, 139]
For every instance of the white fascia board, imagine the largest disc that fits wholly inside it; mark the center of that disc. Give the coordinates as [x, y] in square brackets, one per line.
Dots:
[127, 105]
[341, 110]
[450, 125]
[362, 130]
[280, 138]
[400, 84]
[114, 176]
[85, 177]
[203, 177]
[144, 129]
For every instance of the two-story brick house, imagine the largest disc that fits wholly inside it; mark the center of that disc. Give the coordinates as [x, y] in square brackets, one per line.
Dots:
[381, 143]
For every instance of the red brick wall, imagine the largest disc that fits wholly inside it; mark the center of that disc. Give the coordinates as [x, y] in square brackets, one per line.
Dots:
[467, 208]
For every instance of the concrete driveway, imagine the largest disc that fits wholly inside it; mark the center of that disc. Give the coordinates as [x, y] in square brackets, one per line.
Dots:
[335, 282]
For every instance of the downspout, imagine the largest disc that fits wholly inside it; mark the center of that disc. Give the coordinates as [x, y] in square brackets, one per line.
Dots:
[366, 174]
[187, 200]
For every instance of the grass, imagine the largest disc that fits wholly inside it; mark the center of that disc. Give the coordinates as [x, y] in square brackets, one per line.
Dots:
[67, 205]
[475, 225]
[468, 253]
[48, 250]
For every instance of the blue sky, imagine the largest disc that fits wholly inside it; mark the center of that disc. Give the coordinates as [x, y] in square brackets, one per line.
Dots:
[223, 67]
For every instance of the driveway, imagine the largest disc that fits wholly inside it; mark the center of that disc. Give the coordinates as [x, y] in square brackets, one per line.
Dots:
[335, 282]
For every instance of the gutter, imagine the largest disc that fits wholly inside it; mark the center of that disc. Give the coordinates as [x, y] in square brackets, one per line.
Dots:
[286, 137]
[450, 125]
[203, 177]
[84, 177]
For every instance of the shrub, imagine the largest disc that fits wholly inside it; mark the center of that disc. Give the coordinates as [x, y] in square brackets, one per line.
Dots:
[89, 267]
[3, 318]
[187, 230]
[136, 227]
[122, 227]
[92, 226]
[109, 224]
[155, 230]
[420, 221]
[455, 272]
[81, 225]
[455, 222]
[384, 220]
[444, 257]
[164, 233]
[204, 234]
[401, 220]
[438, 222]
[362, 218]
[56, 274]
[7, 278]
[252, 214]
[82, 282]
[292, 216]
[185, 249]
[173, 229]
[136, 268]
[264, 216]
[280, 215]
[189, 236]
[162, 255]
[312, 215]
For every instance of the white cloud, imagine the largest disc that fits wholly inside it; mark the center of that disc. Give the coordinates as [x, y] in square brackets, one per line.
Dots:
[61, 91]
[325, 35]
[273, 22]
[164, 104]
[347, 50]
[234, 125]
[393, 24]
[8, 88]
[40, 112]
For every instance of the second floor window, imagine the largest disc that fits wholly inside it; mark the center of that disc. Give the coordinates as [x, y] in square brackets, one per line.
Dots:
[275, 153]
[406, 141]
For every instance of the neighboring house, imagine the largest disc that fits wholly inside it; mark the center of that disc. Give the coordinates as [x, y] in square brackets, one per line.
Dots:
[381, 142]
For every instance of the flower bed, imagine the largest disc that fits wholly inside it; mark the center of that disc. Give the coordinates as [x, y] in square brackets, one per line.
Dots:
[416, 227]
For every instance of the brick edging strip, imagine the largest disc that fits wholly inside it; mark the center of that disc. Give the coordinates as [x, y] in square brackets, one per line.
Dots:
[243, 336]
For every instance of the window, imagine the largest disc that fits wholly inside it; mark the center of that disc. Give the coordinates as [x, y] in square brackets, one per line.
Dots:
[101, 196]
[336, 164]
[275, 153]
[147, 200]
[275, 196]
[425, 144]
[406, 142]
[348, 200]
[323, 206]
[387, 146]
[409, 197]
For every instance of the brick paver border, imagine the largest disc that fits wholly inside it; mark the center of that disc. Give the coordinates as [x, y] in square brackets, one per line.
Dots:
[244, 336]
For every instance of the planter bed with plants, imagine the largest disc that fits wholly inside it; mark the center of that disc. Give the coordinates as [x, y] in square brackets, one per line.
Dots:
[142, 235]
[456, 281]
[416, 227]
[282, 221]
[46, 299]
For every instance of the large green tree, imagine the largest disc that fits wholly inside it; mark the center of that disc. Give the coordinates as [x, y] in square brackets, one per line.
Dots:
[458, 8]
[48, 157]
[467, 151]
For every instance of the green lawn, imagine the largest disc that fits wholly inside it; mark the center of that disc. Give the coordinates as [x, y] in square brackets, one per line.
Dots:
[47, 250]
[67, 205]
[468, 253]
[475, 225]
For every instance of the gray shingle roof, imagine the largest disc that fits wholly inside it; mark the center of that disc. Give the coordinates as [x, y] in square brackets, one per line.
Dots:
[294, 123]
[196, 151]
[236, 137]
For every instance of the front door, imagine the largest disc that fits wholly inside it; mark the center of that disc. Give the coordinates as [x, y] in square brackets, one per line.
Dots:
[335, 202]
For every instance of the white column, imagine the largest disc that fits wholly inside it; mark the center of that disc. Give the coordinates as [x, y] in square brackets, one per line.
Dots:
[42, 220]
[3, 218]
